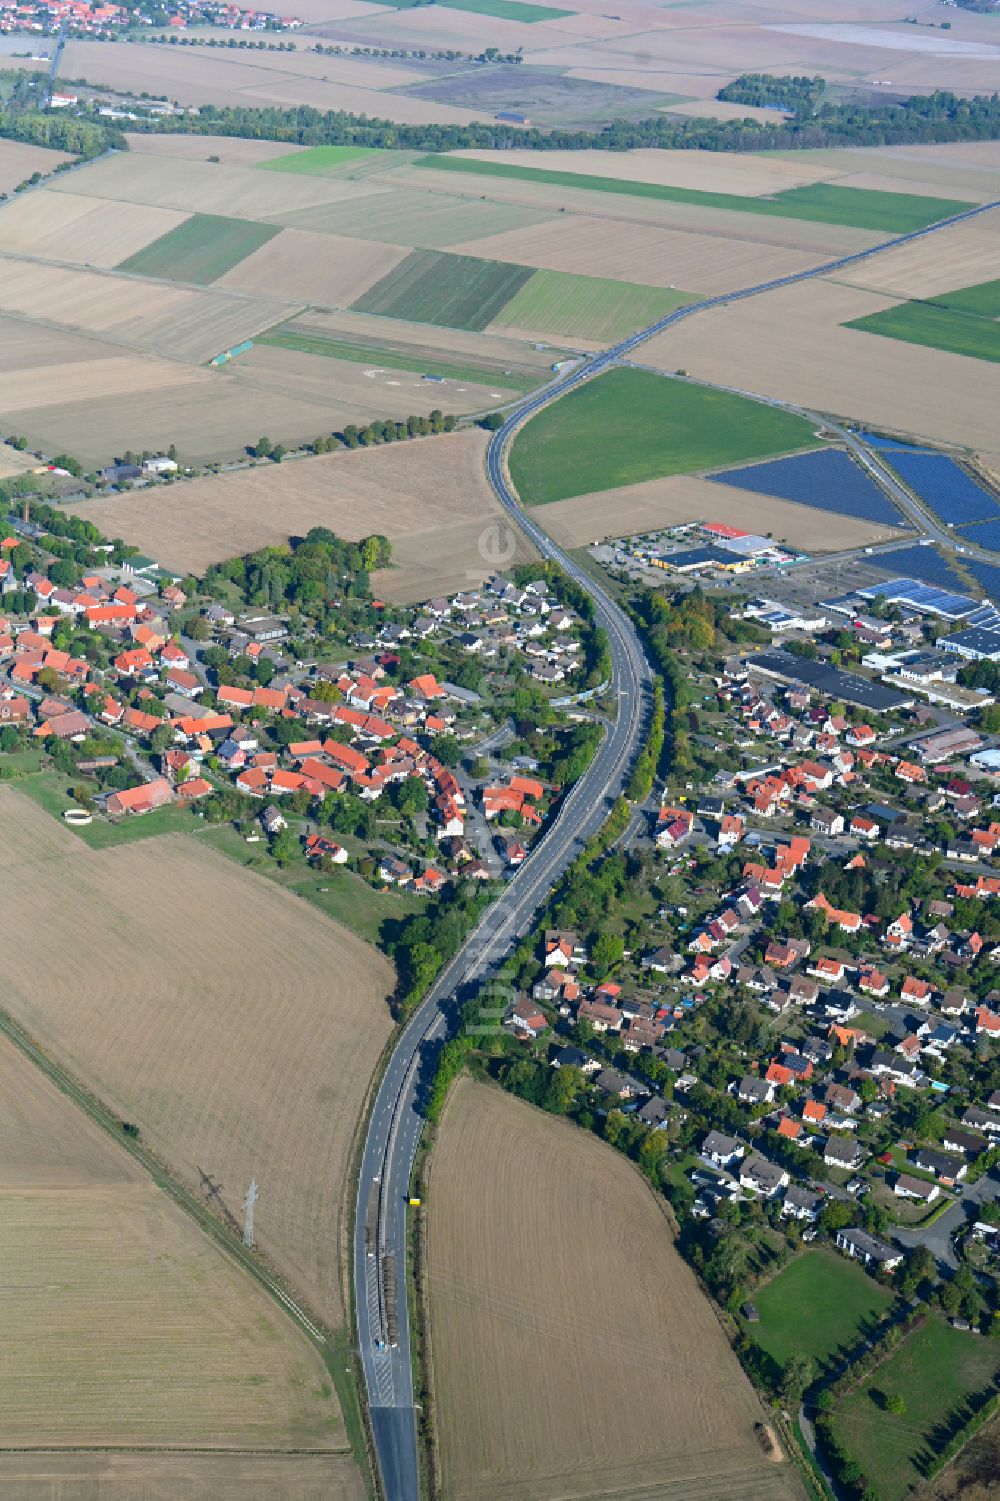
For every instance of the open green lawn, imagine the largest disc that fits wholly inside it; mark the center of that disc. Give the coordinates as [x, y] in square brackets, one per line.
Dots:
[934, 1371]
[860, 208]
[372, 354]
[819, 1306]
[983, 299]
[454, 291]
[966, 321]
[589, 307]
[204, 247]
[50, 790]
[631, 425]
[340, 894]
[316, 159]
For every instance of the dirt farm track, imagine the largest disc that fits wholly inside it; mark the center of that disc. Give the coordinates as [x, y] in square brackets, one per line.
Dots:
[574, 1355]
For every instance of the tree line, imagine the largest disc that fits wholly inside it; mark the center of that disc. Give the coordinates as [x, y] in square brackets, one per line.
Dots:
[941, 116]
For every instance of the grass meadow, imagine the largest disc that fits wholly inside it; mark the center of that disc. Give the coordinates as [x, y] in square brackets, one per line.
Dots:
[201, 249]
[819, 1305]
[456, 291]
[630, 425]
[934, 1371]
[821, 203]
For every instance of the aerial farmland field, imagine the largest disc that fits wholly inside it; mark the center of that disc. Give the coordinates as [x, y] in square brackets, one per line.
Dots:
[823, 203]
[433, 287]
[530, 1221]
[429, 496]
[240, 1037]
[125, 1326]
[555, 302]
[630, 425]
[962, 321]
[200, 250]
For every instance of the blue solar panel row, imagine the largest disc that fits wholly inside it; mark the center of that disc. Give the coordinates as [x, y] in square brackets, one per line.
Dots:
[945, 488]
[987, 534]
[828, 480]
[890, 445]
[924, 563]
[987, 575]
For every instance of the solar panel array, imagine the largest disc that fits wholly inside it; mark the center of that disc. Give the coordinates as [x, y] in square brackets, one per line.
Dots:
[987, 575]
[926, 564]
[986, 534]
[890, 445]
[945, 488]
[923, 597]
[829, 480]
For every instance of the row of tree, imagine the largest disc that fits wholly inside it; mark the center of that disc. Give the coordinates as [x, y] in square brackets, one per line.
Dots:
[941, 116]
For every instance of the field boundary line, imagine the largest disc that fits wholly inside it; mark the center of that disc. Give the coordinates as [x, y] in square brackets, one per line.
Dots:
[163, 1178]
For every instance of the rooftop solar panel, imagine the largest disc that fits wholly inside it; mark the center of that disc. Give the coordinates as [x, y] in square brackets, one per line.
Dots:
[926, 564]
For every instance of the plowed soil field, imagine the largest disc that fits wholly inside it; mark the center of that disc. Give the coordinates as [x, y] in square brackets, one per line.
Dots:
[229, 1021]
[574, 1355]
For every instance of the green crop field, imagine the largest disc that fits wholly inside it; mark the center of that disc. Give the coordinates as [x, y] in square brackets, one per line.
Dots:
[316, 159]
[858, 208]
[983, 299]
[631, 425]
[818, 1306]
[503, 10]
[375, 354]
[590, 307]
[455, 291]
[935, 328]
[507, 10]
[199, 250]
[934, 1371]
[966, 321]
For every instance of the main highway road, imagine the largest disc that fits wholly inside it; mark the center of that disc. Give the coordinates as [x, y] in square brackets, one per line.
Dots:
[395, 1124]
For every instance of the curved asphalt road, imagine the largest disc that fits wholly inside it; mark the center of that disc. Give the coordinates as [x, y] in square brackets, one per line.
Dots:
[396, 1121]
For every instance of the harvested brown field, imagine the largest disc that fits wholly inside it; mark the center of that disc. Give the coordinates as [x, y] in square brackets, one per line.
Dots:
[790, 344]
[202, 187]
[707, 171]
[574, 1355]
[820, 240]
[89, 231]
[667, 502]
[357, 392]
[957, 257]
[721, 109]
[19, 161]
[104, 379]
[368, 328]
[124, 1324]
[206, 414]
[313, 267]
[232, 151]
[429, 496]
[179, 1477]
[186, 323]
[953, 170]
[429, 220]
[652, 257]
[203, 76]
[240, 1035]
